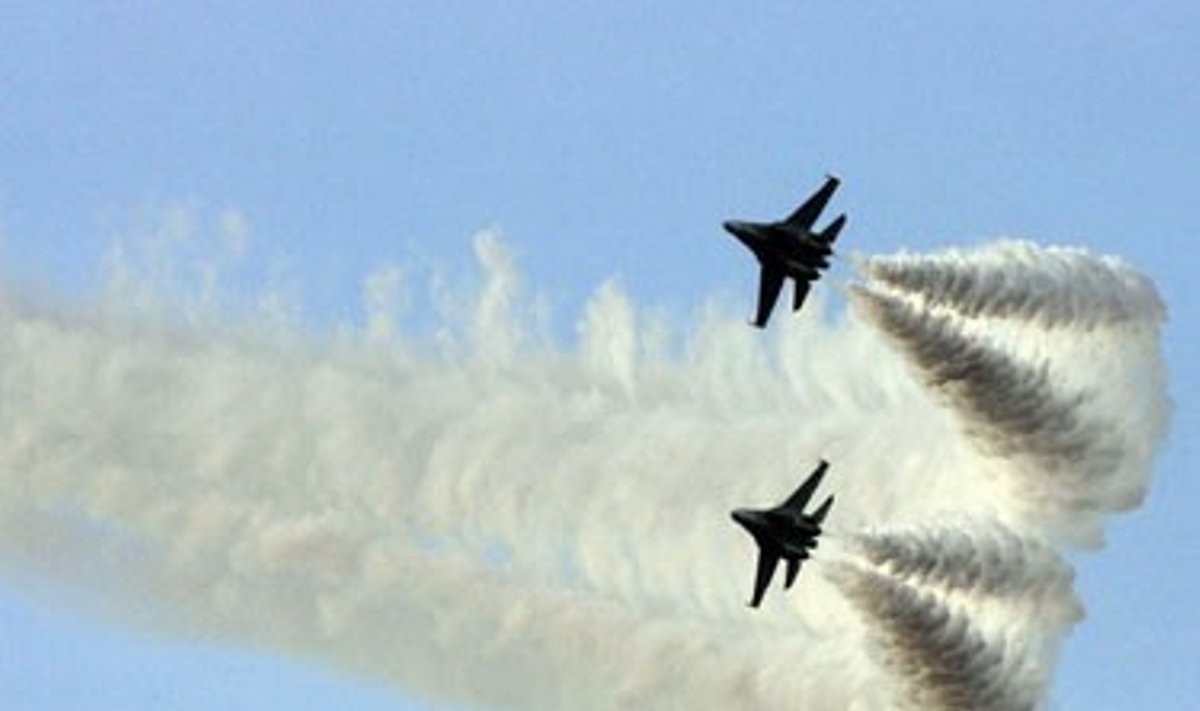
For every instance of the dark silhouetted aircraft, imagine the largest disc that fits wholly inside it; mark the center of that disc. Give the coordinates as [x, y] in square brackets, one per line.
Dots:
[785, 532]
[790, 248]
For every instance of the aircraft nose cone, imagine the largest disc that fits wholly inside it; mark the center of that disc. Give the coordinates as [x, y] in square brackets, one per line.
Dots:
[745, 517]
[732, 226]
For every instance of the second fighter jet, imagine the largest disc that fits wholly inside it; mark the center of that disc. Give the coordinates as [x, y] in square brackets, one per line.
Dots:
[786, 532]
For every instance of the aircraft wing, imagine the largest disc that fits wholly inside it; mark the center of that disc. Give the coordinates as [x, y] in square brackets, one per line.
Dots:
[807, 214]
[770, 282]
[767, 560]
[799, 499]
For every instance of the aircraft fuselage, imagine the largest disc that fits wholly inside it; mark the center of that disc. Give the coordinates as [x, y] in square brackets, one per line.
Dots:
[793, 536]
[801, 253]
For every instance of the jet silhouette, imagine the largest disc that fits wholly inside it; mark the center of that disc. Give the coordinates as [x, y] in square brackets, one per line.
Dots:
[790, 249]
[785, 532]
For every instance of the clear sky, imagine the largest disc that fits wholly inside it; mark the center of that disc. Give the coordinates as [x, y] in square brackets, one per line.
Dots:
[604, 139]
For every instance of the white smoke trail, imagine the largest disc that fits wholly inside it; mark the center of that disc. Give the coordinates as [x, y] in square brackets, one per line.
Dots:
[971, 557]
[970, 615]
[1049, 287]
[1068, 396]
[938, 651]
[488, 518]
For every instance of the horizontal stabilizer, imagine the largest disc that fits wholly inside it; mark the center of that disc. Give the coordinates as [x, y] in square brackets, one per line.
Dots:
[800, 294]
[793, 569]
[819, 515]
[830, 233]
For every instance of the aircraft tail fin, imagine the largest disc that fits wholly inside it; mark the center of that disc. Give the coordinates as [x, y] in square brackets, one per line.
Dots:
[830, 233]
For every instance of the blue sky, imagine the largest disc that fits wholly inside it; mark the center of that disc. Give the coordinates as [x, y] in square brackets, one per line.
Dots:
[604, 141]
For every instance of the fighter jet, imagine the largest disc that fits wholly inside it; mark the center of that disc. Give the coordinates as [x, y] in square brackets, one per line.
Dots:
[790, 248]
[786, 532]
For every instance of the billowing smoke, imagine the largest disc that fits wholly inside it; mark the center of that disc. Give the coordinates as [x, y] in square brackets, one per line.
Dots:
[970, 558]
[485, 517]
[1063, 383]
[968, 615]
[1049, 287]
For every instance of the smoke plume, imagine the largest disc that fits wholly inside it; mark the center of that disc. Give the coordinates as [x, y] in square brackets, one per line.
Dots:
[484, 516]
[1056, 286]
